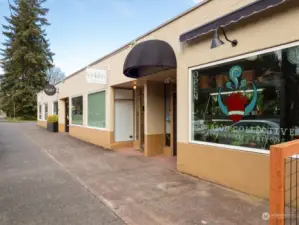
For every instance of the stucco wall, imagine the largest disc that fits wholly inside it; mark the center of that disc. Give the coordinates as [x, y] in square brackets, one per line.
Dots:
[265, 30]
[240, 170]
[264, 25]
[42, 99]
[154, 108]
[77, 85]
[98, 137]
[243, 171]
[41, 123]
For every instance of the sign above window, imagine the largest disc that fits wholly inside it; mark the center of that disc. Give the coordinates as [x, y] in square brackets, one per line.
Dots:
[96, 76]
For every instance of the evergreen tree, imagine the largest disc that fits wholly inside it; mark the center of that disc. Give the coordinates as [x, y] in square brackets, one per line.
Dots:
[26, 57]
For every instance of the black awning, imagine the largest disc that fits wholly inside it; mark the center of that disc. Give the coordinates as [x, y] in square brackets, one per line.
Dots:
[149, 57]
[246, 11]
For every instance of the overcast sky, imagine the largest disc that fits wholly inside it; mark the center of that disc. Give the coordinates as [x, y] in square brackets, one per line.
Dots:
[82, 31]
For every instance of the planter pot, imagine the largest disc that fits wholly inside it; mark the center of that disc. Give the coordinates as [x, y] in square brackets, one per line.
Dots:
[204, 82]
[52, 127]
[220, 80]
[249, 76]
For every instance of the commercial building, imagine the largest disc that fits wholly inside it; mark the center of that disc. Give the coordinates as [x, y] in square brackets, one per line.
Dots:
[180, 90]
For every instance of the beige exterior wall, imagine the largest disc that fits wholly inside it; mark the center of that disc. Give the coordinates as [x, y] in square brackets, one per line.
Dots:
[154, 118]
[41, 123]
[154, 108]
[244, 171]
[98, 137]
[43, 99]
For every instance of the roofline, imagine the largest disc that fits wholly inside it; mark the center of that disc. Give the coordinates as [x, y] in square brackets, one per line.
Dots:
[127, 45]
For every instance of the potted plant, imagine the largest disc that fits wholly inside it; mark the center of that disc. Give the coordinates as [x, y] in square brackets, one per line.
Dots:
[52, 123]
[221, 80]
[249, 76]
[204, 81]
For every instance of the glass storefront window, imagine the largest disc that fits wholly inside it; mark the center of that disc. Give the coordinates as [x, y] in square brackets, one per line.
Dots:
[77, 110]
[97, 110]
[167, 99]
[46, 111]
[40, 112]
[252, 102]
[55, 108]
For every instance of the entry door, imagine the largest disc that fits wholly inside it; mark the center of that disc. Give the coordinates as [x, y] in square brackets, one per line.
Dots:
[67, 122]
[142, 121]
[123, 120]
[174, 111]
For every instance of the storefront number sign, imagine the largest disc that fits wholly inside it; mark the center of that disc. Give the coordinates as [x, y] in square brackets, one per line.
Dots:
[236, 101]
[96, 76]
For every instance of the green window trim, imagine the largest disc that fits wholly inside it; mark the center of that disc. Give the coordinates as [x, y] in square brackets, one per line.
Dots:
[96, 114]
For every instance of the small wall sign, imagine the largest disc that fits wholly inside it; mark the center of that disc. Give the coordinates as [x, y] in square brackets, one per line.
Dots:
[96, 76]
[50, 90]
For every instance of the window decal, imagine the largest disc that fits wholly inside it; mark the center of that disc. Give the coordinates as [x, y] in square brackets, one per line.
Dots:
[237, 101]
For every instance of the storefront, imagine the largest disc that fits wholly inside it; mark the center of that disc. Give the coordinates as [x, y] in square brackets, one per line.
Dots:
[217, 105]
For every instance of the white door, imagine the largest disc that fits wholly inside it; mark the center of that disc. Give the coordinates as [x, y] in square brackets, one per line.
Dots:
[123, 120]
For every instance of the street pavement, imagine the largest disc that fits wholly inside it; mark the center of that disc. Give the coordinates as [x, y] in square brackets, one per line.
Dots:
[52, 178]
[35, 190]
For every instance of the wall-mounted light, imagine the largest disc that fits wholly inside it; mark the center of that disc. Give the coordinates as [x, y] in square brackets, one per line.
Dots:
[134, 85]
[216, 41]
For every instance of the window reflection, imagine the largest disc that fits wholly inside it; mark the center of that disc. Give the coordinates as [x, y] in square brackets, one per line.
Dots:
[77, 110]
[251, 102]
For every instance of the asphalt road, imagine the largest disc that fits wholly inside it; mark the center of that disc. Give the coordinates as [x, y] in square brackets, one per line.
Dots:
[36, 190]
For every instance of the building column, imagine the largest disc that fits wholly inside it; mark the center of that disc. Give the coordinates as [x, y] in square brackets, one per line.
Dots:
[61, 115]
[154, 118]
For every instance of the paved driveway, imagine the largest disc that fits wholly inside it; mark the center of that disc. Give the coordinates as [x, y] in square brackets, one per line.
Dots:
[35, 190]
[140, 190]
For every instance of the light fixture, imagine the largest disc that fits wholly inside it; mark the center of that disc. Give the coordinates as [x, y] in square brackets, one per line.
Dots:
[216, 41]
[134, 85]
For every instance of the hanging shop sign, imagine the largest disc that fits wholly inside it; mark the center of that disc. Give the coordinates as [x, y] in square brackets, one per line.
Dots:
[50, 90]
[96, 76]
[237, 100]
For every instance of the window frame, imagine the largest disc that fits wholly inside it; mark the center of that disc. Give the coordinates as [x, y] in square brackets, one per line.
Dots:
[71, 112]
[40, 112]
[87, 104]
[216, 63]
[44, 114]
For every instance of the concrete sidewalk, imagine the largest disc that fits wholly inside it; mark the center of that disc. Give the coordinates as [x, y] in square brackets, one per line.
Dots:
[146, 191]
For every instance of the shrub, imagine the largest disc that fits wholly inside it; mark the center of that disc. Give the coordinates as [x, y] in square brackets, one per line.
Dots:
[28, 118]
[52, 119]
